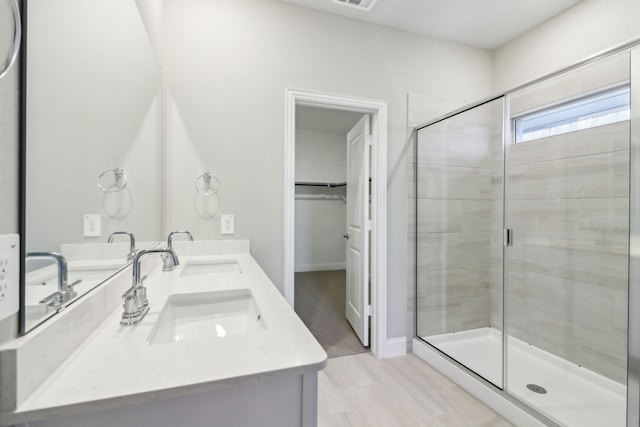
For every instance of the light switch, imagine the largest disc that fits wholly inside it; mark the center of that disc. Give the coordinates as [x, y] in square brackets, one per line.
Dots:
[92, 226]
[227, 224]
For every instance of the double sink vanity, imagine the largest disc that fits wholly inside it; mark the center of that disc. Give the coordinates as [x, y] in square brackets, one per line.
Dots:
[209, 342]
[218, 345]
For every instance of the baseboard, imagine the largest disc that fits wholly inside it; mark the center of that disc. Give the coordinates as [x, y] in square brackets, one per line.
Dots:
[393, 347]
[486, 394]
[303, 268]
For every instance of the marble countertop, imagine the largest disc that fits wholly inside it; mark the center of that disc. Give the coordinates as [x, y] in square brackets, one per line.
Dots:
[116, 366]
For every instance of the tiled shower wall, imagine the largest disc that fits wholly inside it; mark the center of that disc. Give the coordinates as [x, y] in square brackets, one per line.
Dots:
[456, 197]
[567, 270]
[567, 202]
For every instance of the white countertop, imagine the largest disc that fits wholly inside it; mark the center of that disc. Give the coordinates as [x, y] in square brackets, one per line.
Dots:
[115, 366]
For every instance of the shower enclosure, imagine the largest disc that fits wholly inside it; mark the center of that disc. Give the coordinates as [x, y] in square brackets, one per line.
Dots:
[524, 275]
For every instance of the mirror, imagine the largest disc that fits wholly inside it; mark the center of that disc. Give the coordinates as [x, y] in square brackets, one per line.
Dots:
[92, 146]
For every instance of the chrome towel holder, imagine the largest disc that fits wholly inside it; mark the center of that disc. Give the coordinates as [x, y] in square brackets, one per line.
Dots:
[120, 180]
[17, 35]
[210, 184]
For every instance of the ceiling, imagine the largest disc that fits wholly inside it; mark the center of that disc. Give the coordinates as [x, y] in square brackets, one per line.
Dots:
[486, 24]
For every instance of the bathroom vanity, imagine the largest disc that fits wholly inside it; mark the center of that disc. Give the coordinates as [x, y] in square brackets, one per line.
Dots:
[219, 346]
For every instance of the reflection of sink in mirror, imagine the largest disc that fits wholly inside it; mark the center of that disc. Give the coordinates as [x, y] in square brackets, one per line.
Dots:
[208, 267]
[44, 281]
[94, 272]
[101, 251]
[207, 316]
[37, 313]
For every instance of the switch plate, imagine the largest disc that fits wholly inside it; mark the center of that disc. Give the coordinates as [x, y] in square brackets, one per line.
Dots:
[92, 226]
[9, 274]
[227, 225]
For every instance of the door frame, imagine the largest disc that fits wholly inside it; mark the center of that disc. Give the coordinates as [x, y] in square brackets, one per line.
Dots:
[378, 254]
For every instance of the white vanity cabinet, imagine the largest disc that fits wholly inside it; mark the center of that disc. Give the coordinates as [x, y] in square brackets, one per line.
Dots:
[181, 364]
[278, 400]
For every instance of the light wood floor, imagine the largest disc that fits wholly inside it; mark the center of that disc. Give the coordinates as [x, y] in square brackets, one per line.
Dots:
[360, 390]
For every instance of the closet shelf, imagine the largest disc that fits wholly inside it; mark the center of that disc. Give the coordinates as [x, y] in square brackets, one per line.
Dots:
[321, 184]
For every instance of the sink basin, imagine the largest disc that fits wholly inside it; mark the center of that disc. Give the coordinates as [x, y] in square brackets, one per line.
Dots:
[207, 316]
[209, 267]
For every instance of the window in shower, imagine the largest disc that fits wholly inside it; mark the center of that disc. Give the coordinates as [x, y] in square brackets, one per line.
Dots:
[608, 106]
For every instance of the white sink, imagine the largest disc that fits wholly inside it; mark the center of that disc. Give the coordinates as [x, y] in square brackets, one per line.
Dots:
[210, 267]
[207, 316]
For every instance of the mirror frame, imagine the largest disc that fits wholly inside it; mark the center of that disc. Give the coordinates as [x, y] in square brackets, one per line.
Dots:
[22, 168]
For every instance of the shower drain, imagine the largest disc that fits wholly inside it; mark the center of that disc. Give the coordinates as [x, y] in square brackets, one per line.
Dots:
[537, 389]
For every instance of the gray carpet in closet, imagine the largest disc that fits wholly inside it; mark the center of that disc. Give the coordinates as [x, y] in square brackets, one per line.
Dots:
[320, 303]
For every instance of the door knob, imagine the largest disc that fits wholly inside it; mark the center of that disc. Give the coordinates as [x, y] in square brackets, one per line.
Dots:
[346, 236]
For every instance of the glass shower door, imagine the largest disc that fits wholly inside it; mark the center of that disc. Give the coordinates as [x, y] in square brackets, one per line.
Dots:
[460, 238]
[567, 202]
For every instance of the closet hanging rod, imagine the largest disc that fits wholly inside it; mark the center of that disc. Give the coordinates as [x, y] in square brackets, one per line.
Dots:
[322, 184]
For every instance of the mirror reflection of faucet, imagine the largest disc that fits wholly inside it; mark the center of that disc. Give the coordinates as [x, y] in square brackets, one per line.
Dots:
[65, 290]
[135, 303]
[132, 241]
[168, 264]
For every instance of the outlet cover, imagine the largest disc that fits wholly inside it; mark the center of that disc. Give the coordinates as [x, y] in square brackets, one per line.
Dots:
[227, 225]
[9, 275]
[92, 226]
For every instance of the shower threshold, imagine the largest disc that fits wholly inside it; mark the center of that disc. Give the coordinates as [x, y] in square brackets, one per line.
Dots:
[575, 395]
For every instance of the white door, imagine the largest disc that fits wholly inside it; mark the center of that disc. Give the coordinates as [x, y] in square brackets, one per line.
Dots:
[357, 228]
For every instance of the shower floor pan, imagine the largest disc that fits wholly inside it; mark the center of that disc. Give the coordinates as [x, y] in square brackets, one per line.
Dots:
[575, 396]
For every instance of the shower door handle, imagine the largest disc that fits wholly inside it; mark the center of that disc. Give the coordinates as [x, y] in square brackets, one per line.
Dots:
[508, 237]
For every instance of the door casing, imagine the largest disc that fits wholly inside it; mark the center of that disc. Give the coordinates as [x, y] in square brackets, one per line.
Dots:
[380, 345]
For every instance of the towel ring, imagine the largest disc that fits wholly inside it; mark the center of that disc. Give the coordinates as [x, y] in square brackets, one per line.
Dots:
[120, 180]
[210, 184]
[17, 35]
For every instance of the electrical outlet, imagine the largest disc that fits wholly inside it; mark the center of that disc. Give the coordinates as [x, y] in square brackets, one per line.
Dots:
[9, 275]
[227, 224]
[92, 226]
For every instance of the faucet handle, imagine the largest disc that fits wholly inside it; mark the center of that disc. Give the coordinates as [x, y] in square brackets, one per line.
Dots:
[69, 292]
[167, 263]
[130, 292]
[53, 300]
[131, 255]
[141, 297]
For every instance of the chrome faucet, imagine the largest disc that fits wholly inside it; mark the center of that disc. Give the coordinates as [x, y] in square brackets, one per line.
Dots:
[65, 290]
[135, 303]
[168, 263]
[132, 241]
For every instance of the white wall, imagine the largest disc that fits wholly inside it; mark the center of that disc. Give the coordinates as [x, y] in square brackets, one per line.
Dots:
[151, 14]
[321, 156]
[228, 64]
[320, 223]
[586, 29]
[9, 147]
[93, 104]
